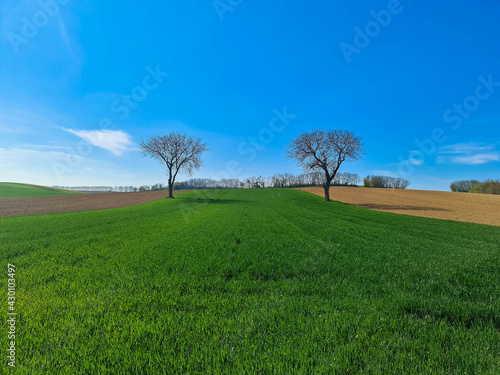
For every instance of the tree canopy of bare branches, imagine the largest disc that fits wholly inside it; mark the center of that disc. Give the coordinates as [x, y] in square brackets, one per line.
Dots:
[325, 151]
[177, 151]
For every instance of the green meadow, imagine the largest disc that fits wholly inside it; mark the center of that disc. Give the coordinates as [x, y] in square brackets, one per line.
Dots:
[257, 281]
[8, 189]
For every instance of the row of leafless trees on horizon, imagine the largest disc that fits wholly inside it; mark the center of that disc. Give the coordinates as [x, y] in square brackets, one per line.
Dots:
[279, 180]
[276, 181]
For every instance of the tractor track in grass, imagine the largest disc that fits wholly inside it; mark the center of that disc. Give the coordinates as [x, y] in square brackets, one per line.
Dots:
[79, 202]
[467, 207]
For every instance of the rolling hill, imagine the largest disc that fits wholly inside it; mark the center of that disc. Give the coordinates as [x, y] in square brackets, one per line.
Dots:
[17, 190]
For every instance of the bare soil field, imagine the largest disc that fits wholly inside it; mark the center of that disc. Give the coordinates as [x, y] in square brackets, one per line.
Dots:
[472, 208]
[79, 202]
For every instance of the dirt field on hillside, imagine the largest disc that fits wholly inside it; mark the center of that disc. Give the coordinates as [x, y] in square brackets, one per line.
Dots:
[472, 208]
[79, 202]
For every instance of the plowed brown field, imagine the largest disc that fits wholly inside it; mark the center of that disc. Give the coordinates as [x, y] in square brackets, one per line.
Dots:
[472, 208]
[79, 202]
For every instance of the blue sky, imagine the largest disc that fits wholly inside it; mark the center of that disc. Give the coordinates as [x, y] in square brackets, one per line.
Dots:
[82, 82]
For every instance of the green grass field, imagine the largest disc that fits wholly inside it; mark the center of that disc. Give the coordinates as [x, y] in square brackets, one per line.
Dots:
[252, 282]
[8, 189]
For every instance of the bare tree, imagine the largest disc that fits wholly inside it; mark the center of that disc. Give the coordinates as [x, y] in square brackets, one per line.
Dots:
[325, 151]
[179, 152]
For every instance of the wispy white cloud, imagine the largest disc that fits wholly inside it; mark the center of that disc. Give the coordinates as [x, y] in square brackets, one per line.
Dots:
[41, 167]
[23, 154]
[415, 158]
[42, 147]
[9, 124]
[115, 141]
[72, 48]
[466, 148]
[29, 118]
[32, 166]
[475, 159]
[468, 153]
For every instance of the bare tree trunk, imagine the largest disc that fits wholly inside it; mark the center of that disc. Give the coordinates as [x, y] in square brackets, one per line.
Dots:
[326, 186]
[170, 185]
[327, 192]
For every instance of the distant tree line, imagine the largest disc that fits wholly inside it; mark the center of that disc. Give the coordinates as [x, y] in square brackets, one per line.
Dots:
[100, 189]
[155, 187]
[385, 182]
[463, 186]
[278, 180]
[474, 186]
[115, 189]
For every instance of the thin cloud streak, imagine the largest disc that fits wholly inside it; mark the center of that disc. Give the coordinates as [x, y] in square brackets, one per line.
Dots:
[115, 141]
[468, 153]
[475, 159]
